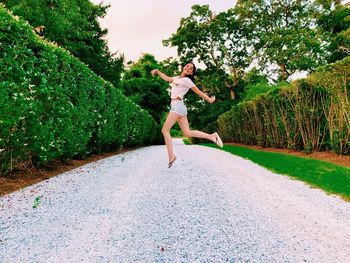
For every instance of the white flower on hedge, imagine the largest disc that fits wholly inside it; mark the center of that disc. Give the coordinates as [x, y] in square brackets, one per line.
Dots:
[1, 150]
[30, 86]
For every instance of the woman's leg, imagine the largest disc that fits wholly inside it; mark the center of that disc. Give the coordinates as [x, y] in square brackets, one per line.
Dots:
[185, 128]
[169, 122]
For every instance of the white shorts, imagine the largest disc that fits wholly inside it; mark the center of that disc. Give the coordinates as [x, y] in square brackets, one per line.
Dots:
[178, 107]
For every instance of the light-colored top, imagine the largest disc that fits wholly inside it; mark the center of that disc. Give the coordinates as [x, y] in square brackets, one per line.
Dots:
[180, 86]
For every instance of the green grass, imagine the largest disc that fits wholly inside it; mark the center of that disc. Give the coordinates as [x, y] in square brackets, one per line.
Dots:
[332, 178]
[186, 141]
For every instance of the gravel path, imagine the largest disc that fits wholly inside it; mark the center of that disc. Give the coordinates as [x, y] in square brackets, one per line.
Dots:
[211, 206]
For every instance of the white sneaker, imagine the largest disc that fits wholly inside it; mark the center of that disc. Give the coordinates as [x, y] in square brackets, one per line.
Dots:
[218, 140]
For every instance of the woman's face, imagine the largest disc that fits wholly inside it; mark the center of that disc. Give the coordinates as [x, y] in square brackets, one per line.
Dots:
[188, 69]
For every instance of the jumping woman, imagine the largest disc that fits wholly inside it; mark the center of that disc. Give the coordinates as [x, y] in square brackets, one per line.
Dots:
[180, 85]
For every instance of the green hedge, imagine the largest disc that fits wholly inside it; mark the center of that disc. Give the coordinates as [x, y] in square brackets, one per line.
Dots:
[54, 107]
[310, 114]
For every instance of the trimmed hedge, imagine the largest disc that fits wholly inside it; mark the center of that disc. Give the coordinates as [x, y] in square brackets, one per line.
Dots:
[310, 114]
[54, 107]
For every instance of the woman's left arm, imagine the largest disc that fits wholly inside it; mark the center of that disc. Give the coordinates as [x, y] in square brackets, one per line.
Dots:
[203, 95]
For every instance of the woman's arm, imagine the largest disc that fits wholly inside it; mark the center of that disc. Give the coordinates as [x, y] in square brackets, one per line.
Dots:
[203, 95]
[162, 75]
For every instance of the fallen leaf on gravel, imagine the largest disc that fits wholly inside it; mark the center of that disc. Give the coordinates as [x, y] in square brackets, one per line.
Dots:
[37, 202]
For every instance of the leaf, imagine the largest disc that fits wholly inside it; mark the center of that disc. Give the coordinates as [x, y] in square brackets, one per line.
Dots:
[37, 202]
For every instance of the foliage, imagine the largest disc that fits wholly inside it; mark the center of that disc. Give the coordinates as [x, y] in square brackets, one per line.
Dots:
[150, 94]
[284, 33]
[311, 114]
[336, 20]
[170, 66]
[254, 90]
[335, 79]
[73, 24]
[201, 114]
[141, 68]
[54, 107]
[143, 89]
[279, 33]
[255, 84]
[254, 76]
[216, 40]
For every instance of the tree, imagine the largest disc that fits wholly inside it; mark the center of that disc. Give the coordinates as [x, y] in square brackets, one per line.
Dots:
[335, 19]
[141, 68]
[170, 66]
[73, 25]
[216, 40]
[201, 114]
[254, 76]
[285, 33]
[150, 94]
[147, 91]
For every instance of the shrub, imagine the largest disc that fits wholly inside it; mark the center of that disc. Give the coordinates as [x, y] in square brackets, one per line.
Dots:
[311, 114]
[54, 107]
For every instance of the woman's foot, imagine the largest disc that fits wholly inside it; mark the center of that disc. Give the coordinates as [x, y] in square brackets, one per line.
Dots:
[171, 162]
[218, 140]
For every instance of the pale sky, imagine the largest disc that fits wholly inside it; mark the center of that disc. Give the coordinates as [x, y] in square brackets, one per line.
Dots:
[139, 26]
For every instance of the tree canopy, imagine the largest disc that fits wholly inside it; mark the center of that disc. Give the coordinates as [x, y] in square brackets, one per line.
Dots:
[147, 91]
[216, 40]
[335, 19]
[73, 24]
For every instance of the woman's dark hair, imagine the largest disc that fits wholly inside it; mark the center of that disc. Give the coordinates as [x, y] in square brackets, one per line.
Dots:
[191, 77]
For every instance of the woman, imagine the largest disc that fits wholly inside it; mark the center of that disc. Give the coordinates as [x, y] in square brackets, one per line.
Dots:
[178, 112]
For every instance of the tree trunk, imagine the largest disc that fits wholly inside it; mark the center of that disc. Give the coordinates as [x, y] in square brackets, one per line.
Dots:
[283, 71]
[234, 75]
[230, 87]
[232, 94]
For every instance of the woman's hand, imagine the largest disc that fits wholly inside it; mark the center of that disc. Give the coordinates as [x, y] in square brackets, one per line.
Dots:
[155, 71]
[211, 99]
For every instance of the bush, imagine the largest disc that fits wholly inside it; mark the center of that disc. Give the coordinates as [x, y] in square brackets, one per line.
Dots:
[311, 114]
[54, 107]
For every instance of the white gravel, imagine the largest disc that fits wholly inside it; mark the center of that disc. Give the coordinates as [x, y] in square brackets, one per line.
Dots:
[211, 206]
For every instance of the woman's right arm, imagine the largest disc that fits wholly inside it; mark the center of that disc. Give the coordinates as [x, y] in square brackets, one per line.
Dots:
[162, 75]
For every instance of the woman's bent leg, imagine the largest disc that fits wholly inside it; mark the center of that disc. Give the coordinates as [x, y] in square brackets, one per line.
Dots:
[185, 128]
[169, 122]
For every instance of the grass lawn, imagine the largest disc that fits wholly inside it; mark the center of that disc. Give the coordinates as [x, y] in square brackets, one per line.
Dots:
[334, 179]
